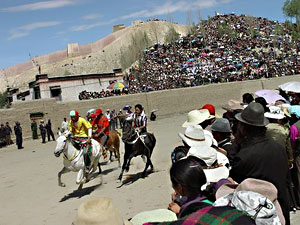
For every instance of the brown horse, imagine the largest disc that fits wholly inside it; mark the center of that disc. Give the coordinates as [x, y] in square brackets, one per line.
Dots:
[113, 144]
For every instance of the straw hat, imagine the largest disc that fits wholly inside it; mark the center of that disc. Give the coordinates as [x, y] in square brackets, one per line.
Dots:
[197, 116]
[99, 211]
[157, 215]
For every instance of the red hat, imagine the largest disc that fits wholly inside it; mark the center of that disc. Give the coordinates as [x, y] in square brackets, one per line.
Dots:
[210, 108]
[93, 115]
[98, 112]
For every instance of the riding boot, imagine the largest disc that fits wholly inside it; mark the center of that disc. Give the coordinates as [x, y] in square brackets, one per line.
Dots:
[87, 162]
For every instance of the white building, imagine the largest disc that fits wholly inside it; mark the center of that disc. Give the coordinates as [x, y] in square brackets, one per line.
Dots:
[67, 88]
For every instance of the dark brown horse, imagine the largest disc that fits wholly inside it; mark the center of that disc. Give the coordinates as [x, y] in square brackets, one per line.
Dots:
[113, 144]
[135, 145]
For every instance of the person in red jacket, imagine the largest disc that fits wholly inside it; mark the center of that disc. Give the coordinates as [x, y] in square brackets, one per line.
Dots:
[101, 133]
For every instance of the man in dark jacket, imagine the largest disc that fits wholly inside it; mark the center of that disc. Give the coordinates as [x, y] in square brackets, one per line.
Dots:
[259, 157]
[43, 131]
[18, 133]
[49, 130]
[221, 131]
[8, 132]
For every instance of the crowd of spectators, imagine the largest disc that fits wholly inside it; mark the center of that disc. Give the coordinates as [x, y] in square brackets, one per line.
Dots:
[224, 48]
[84, 95]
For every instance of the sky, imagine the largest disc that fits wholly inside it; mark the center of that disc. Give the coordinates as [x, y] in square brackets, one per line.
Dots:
[34, 28]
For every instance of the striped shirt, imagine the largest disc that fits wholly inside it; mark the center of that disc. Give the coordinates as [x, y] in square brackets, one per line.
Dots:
[140, 120]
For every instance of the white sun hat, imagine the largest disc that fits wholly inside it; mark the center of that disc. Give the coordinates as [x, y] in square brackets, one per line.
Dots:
[194, 135]
[197, 116]
[211, 156]
[275, 113]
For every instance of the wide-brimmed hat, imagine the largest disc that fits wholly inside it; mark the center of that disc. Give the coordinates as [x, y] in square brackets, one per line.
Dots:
[194, 135]
[275, 113]
[197, 116]
[221, 125]
[99, 211]
[211, 157]
[157, 215]
[253, 115]
[262, 187]
[285, 109]
[233, 105]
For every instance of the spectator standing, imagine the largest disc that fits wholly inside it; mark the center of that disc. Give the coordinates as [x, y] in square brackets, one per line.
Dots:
[2, 133]
[64, 125]
[43, 131]
[107, 115]
[121, 118]
[18, 133]
[8, 132]
[113, 120]
[34, 129]
[49, 130]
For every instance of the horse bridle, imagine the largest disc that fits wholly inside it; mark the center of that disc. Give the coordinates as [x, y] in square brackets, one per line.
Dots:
[57, 154]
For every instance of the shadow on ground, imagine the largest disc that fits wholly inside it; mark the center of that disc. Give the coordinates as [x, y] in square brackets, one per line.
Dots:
[131, 178]
[82, 192]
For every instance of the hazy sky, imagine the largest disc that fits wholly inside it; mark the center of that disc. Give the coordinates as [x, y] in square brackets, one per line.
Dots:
[40, 27]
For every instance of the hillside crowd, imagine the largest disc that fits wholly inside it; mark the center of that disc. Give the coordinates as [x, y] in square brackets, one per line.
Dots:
[224, 48]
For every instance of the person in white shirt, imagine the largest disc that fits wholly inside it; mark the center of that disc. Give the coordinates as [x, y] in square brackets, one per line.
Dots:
[64, 125]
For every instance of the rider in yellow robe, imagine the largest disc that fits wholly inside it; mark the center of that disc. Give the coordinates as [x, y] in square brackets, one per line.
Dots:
[81, 129]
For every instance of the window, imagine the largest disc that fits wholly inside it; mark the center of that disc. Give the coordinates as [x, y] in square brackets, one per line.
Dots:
[55, 92]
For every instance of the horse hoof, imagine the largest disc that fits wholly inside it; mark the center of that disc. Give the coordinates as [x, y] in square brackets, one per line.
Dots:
[62, 185]
[80, 187]
[118, 181]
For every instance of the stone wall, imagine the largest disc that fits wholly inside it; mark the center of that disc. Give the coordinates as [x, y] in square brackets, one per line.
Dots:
[167, 102]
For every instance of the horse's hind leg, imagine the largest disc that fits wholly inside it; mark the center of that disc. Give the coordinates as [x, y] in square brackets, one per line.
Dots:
[149, 163]
[64, 170]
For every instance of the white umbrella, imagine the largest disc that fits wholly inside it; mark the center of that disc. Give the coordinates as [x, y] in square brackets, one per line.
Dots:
[293, 86]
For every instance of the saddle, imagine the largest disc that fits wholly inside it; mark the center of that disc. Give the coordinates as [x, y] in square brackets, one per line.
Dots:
[80, 143]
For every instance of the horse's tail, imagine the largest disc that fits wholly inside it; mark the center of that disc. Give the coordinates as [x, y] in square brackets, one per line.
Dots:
[152, 140]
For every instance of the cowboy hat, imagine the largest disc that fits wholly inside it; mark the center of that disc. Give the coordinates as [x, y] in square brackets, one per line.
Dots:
[99, 211]
[262, 187]
[197, 116]
[194, 135]
[211, 157]
[275, 113]
[253, 115]
[233, 105]
[157, 215]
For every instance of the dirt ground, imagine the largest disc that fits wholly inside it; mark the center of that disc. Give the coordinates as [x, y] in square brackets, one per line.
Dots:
[30, 194]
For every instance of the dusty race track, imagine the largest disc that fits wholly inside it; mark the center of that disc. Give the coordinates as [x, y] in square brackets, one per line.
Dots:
[30, 194]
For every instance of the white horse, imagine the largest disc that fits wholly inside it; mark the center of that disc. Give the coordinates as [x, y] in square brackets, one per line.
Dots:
[74, 161]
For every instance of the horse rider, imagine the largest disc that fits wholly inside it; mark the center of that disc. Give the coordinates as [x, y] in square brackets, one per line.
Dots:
[140, 119]
[82, 131]
[101, 129]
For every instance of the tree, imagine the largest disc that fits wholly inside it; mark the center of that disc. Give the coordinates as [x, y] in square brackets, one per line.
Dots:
[171, 35]
[4, 103]
[291, 9]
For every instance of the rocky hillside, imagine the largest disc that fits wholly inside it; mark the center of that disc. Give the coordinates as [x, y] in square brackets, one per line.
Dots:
[99, 61]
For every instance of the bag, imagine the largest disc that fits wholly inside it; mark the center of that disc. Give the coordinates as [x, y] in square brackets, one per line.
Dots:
[260, 208]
